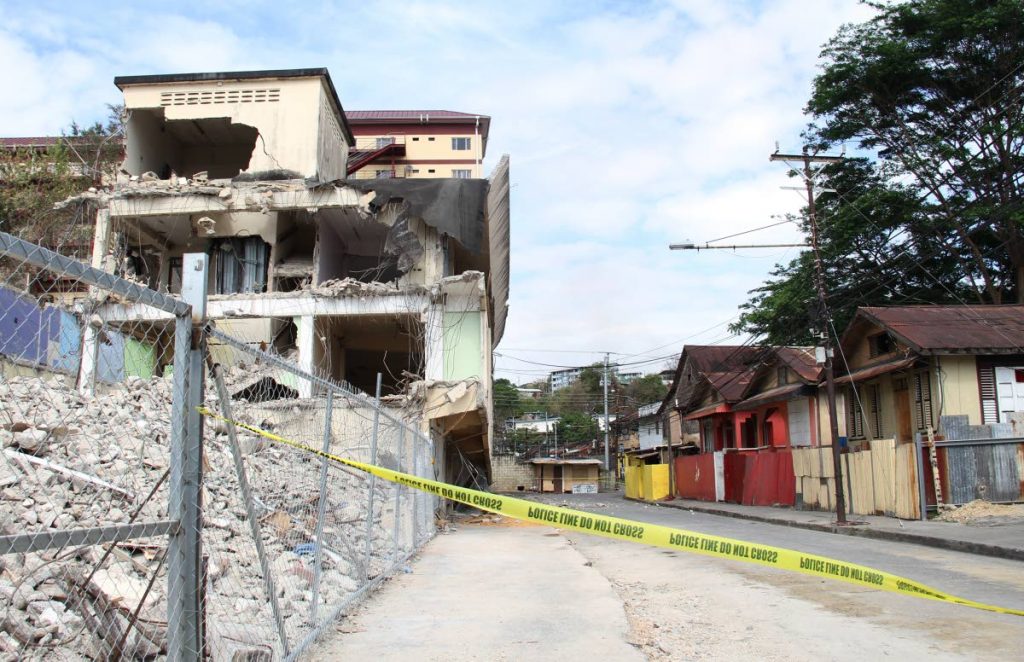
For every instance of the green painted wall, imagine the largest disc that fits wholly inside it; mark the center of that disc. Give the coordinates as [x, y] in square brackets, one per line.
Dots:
[463, 356]
[139, 359]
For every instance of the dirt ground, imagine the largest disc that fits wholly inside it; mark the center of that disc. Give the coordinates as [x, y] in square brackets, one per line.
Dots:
[983, 513]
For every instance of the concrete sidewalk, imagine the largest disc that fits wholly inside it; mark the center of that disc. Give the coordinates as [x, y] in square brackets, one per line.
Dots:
[489, 593]
[1001, 540]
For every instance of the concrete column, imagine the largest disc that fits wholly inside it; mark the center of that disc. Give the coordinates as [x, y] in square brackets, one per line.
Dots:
[433, 342]
[101, 238]
[306, 340]
[91, 334]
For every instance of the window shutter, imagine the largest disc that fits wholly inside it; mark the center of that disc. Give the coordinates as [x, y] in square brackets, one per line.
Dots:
[876, 411]
[922, 401]
[987, 385]
[926, 400]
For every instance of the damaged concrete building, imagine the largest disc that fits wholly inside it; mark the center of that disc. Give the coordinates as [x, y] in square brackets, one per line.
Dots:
[403, 277]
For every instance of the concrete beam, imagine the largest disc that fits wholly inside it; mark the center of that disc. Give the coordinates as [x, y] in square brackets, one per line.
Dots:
[242, 198]
[241, 306]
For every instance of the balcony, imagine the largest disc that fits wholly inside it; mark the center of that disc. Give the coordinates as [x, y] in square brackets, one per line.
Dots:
[367, 150]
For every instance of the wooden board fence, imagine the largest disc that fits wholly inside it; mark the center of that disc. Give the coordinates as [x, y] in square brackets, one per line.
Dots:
[879, 480]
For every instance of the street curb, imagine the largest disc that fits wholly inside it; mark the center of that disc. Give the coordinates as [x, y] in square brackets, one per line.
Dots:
[968, 547]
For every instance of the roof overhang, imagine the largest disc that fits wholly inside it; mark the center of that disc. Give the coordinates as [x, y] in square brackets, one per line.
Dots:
[876, 370]
[719, 408]
[778, 394]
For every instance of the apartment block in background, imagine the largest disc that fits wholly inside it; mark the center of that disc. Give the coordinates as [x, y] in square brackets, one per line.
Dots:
[418, 144]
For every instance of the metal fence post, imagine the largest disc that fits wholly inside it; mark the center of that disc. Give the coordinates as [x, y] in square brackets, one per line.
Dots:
[919, 465]
[250, 511]
[185, 636]
[373, 479]
[321, 510]
[398, 493]
[416, 494]
[177, 579]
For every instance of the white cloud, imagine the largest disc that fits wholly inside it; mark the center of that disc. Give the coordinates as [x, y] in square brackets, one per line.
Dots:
[630, 126]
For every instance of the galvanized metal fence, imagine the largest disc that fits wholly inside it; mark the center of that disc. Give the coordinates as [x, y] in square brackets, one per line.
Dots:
[299, 538]
[95, 538]
[132, 528]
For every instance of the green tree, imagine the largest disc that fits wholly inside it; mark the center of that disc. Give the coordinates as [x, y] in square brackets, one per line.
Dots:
[590, 378]
[32, 183]
[935, 88]
[575, 427]
[507, 403]
[870, 242]
[932, 91]
[645, 390]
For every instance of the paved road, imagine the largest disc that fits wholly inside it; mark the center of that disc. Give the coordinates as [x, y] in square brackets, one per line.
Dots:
[515, 592]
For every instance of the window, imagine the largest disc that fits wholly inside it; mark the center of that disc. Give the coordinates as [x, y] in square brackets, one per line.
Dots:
[384, 142]
[241, 265]
[462, 174]
[855, 416]
[880, 344]
[875, 407]
[707, 435]
[783, 375]
[383, 174]
[174, 271]
[922, 401]
[430, 139]
[430, 170]
[415, 139]
[461, 144]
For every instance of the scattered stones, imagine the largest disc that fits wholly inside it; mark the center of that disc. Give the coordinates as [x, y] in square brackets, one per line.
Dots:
[82, 462]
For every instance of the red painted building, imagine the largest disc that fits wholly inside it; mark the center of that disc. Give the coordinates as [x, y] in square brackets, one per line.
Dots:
[750, 405]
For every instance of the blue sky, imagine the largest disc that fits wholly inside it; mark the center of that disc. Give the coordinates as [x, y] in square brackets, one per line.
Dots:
[630, 125]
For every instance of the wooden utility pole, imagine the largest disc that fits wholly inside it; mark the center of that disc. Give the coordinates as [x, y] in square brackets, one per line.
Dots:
[607, 460]
[823, 313]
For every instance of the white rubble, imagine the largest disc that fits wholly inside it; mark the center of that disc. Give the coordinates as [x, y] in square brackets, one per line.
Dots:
[70, 461]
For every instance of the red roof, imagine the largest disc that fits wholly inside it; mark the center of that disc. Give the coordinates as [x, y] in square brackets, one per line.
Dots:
[406, 115]
[952, 329]
[729, 368]
[38, 141]
[802, 361]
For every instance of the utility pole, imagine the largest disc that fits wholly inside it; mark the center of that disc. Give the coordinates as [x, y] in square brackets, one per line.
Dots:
[823, 312]
[607, 459]
[545, 427]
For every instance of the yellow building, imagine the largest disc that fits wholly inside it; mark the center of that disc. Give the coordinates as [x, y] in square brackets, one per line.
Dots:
[417, 144]
[567, 476]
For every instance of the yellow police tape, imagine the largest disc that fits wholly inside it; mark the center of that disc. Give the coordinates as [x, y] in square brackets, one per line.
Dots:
[648, 534]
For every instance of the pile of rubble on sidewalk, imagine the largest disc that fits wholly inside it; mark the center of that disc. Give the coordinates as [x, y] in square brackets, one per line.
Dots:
[74, 461]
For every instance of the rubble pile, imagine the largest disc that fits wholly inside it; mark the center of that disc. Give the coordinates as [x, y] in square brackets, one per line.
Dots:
[72, 461]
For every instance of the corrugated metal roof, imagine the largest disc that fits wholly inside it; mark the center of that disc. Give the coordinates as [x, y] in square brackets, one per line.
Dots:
[37, 141]
[416, 115]
[875, 370]
[953, 329]
[552, 460]
[777, 394]
[802, 361]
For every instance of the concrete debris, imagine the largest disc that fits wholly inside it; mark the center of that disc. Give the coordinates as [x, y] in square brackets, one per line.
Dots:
[350, 287]
[983, 513]
[265, 390]
[71, 461]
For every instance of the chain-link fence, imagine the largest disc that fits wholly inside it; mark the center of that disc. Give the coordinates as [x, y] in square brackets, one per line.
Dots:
[312, 535]
[88, 428]
[131, 529]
